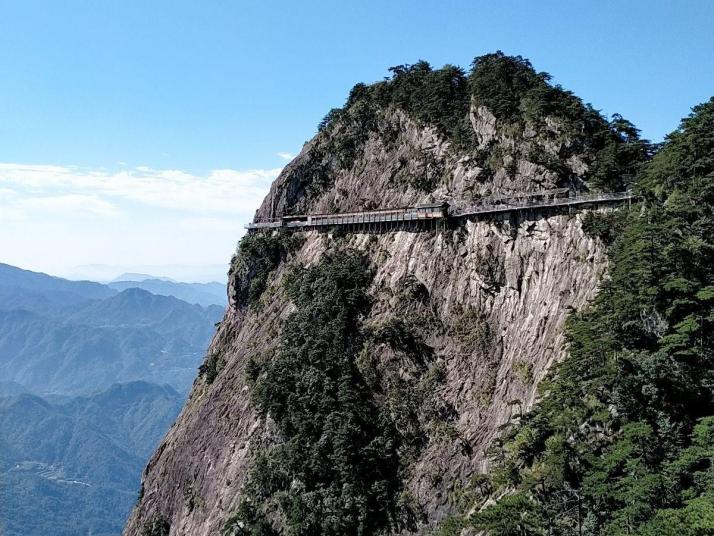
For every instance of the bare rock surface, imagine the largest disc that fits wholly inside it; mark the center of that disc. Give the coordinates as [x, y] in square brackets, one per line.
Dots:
[494, 296]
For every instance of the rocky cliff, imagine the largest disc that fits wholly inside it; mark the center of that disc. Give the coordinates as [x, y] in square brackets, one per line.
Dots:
[462, 322]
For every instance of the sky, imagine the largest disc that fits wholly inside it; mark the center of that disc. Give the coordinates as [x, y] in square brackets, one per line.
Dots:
[144, 133]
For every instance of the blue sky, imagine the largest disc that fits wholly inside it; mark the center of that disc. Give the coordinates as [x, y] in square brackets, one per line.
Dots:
[152, 89]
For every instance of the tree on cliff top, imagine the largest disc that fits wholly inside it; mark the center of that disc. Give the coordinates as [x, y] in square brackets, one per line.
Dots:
[513, 91]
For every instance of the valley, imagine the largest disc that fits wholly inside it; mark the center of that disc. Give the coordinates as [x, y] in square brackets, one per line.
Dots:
[93, 377]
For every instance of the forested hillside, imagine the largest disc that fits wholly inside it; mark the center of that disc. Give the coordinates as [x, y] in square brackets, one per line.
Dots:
[73, 467]
[73, 440]
[67, 337]
[527, 373]
[622, 440]
[358, 379]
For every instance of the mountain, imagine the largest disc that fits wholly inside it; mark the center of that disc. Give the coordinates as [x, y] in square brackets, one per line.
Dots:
[66, 337]
[71, 458]
[74, 467]
[11, 389]
[622, 439]
[204, 294]
[165, 315]
[176, 272]
[131, 335]
[11, 276]
[362, 378]
[23, 289]
[130, 276]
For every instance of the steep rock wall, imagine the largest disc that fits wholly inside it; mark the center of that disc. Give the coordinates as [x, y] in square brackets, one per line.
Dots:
[489, 299]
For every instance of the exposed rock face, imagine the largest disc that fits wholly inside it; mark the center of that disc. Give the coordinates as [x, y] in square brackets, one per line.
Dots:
[488, 297]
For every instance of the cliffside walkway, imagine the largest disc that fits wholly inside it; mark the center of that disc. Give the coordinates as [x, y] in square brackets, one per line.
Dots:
[515, 203]
[436, 214]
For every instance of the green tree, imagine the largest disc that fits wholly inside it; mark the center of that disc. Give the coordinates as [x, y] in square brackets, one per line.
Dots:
[624, 425]
[334, 470]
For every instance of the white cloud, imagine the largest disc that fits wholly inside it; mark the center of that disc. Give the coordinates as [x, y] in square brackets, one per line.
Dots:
[286, 156]
[224, 191]
[70, 203]
[55, 217]
[206, 223]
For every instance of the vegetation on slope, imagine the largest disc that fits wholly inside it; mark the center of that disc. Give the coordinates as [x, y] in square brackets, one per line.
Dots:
[509, 87]
[622, 441]
[73, 466]
[258, 255]
[334, 470]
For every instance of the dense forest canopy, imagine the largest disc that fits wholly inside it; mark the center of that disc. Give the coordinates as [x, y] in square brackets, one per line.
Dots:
[335, 469]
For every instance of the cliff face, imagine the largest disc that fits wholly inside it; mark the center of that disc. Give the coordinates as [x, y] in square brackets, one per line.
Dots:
[488, 300]
[404, 163]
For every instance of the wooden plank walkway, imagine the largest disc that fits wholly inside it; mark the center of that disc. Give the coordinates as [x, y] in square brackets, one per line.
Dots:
[430, 214]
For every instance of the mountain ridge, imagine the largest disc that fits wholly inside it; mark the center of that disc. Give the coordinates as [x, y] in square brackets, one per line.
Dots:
[12, 276]
[204, 294]
[79, 459]
[55, 340]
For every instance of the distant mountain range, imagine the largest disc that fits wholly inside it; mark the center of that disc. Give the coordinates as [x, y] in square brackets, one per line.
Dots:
[203, 273]
[91, 378]
[11, 389]
[74, 467]
[200, 293]
[53, 288]
[133, 276]
[74, 337]
[204, 294]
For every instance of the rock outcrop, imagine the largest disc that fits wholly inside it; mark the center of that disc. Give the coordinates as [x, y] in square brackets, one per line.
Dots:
[488, 299]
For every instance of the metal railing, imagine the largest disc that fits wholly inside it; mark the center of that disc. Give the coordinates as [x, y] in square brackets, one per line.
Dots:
[489, 205]
[516, 203]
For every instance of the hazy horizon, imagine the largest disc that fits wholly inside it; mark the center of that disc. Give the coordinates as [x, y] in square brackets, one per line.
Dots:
[103, 273]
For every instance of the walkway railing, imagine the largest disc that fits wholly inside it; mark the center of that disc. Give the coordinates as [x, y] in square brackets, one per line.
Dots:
[514, 203]
[432, 213]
